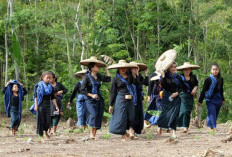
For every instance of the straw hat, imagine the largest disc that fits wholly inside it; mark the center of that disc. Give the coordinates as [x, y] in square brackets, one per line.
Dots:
[188, 65]
[141, 66]
[92, 59]
[165, 60]
[157, 77]
[122, 64]
[79, 73]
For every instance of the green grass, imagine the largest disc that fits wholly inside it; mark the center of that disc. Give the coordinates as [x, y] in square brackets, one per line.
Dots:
[3, 123]
[106, 136]
[149, 136]
[196, 137]
[200, 129]
[68, 131]
[20, 132]
[78, 131]
[212, 132]
[26, 138]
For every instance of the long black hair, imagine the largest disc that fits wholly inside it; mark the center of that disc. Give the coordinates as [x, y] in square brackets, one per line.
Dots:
[219, 74]
[90, 66]
[54, 76]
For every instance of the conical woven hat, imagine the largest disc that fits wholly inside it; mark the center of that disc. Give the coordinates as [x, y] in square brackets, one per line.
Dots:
[188, 65]
[79, 73]
[157, 77]
[122, 64]
[92, 59]
[165, 60]
[141, 66]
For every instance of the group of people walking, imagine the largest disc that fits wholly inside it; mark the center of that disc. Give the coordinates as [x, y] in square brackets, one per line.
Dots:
[170, 97]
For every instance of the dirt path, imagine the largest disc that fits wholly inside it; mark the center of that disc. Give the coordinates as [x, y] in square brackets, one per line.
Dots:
[73, 143]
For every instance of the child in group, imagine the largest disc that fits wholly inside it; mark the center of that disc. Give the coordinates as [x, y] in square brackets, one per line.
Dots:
[55, 115]
[82, 112]
[43, 95]
[14, 95]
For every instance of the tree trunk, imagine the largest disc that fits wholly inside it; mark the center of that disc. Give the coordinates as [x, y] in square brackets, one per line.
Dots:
[158, 26]
[67, 43]
[205, 46]
[54, 42]
[190, 32]
[6, 42]
[132, 36]
[24, 71]
[37, 38]
[80, 34]
[196, 59]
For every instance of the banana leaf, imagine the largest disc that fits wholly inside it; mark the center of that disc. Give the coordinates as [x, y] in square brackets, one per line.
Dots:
[154, 113]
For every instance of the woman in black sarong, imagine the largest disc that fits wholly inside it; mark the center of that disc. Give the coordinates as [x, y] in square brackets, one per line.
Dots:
[139, 112]
[170, 100]
[123, 99]
[90, 87]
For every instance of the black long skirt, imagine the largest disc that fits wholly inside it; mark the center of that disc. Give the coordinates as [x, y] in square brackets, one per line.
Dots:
[169, 116]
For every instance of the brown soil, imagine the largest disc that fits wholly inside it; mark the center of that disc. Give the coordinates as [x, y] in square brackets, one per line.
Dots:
[68, 142]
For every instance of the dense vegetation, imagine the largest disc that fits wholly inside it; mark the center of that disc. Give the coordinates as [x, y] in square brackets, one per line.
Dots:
[53, 35]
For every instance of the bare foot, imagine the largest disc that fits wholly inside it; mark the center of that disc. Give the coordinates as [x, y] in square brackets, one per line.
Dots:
[92, 138]
[159, 131]
[13, 132]
[42, 140]
[230, 132]
[46, 133]
[214, 129]
[147, 125]
[132, 134]
[185, 130]
[125, 137]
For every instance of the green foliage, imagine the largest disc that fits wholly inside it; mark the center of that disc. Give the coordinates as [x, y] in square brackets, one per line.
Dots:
[212, 132]
[106, 136]
[199, 30]
[149, 136]
[78, 131]
[196, 137]
[16, 50]
[154, 113]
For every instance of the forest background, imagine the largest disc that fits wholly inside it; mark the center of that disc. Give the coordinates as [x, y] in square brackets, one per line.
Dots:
[54, 35]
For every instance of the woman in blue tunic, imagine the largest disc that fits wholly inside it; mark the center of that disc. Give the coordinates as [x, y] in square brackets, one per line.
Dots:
[14, 95]
[213, 93]
[190, 84]
[123, 99]
[90, 87]
[82, 112]
[170, 100]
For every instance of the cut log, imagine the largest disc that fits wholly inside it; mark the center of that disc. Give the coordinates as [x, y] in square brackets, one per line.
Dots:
[227, 139]
[70, 123]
